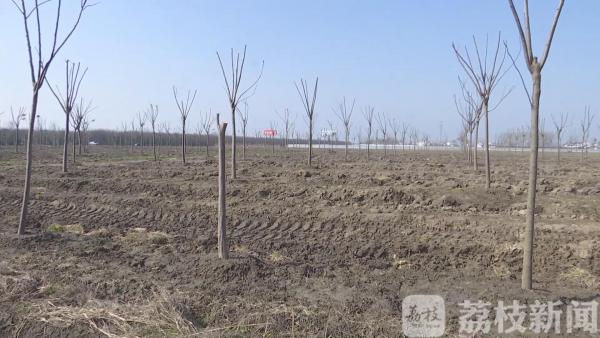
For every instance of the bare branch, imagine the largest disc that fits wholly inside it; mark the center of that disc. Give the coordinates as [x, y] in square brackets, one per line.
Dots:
[551, 34]
[527, 49]
[520, 75]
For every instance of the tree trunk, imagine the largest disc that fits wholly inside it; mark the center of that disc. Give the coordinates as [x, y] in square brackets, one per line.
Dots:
[79, 140]
[470, 145]
[28, 166]
[74, 146]
[66, 145]
[368, 146]
[183, 143]
[475, 162]
[207, 140]
[558, 148]
[346, 150]
[384, 147]
[233, 145]
[526, 279]
[582, 147]
[142, 141]
[17, 140]
[488, 175]
[244, 143]
[222, 231]
[154, 144]
[310, 136]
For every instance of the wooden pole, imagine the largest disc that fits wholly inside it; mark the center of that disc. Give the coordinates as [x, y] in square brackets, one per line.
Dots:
[222, 232]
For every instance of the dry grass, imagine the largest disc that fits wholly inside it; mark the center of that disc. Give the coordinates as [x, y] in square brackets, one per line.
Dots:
[102, 232]
[69, 228]
[16, 284]
[156, 317]
[142, 235]
[508, 248]
[238, 318]
[580, 277]
[501, 270]
[242, 249]
[276, 256]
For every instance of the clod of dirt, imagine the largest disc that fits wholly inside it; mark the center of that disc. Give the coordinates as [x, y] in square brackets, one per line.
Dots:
[447, 201]
[585, 249]
[264, 193]
[397, 196]
[521, 208]
[381, 179]
[399, 263]
[589, 191]
[304, 173]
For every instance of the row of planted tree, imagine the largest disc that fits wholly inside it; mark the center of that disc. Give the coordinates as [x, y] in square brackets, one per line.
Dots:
[483, 71]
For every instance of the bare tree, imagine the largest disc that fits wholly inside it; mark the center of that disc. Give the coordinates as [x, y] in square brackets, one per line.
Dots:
[206, 124]
[80, 112]
[426, 140]
[369, 113]
[244, 117]
[309, 107]
[586, 124]
[273, 126]
[485, 74]
[236, 95]
[414, 137]
[468, 126]
[184, 111]
[16, 123]
[344, 113]
[132, 135]
[84, 129]
[404, 134]
[559, 125]
[395, 126]
[123, 134]
[142, 118]
[39, 66]
[222, 220]
[382, 122]
[167, 130]
[166, 127]
[68, 101]
[76, 121]
[152, 115]
[288, 125]
[535, 67]
[469, 109]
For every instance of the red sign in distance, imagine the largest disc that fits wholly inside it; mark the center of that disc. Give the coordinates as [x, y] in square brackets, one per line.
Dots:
[270, 132]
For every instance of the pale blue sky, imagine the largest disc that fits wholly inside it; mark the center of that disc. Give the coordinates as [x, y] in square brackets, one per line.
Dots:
[394, 55]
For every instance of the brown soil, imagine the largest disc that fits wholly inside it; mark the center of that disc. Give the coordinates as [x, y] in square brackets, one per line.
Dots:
[126, 245]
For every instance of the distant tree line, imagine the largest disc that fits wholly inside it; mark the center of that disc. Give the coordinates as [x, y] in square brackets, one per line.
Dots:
[55, 137]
